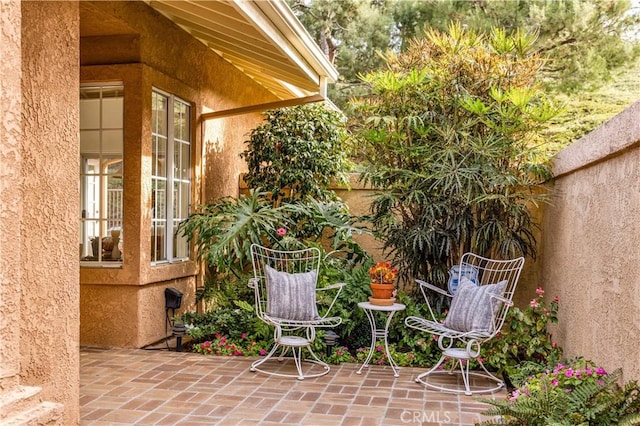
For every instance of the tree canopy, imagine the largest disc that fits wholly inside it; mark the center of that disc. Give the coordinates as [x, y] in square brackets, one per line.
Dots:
[584, 42]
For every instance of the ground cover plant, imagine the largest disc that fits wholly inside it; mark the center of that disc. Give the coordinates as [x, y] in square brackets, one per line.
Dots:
[578, 393]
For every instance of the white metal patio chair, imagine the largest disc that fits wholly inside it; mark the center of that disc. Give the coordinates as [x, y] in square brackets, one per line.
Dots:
[481, 292]
[285, 286]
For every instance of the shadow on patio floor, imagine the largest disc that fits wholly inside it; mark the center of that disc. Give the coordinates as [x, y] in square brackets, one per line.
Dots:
[143, 387]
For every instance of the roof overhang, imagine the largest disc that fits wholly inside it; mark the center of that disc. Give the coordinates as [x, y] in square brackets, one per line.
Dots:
[263, 39]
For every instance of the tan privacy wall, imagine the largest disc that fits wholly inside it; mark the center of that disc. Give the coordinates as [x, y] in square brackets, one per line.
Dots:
[591, 239]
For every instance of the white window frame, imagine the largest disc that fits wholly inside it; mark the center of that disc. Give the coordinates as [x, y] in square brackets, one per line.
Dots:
[100, 192]
[170, 179]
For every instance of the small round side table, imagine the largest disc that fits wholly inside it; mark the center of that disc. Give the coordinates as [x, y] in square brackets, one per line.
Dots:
[376, 333]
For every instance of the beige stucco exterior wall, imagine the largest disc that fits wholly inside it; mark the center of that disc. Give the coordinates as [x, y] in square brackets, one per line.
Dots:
[124, 307]
[39, 193]
[10, 198]
[591, 256]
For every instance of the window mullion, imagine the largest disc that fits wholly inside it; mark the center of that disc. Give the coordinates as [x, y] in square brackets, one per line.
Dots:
[170, 168]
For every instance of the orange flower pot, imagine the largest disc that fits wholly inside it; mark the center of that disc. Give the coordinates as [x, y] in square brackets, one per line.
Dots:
[382, 291]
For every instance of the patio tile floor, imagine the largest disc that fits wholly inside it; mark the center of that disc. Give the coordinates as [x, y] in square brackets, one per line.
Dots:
[144, 387]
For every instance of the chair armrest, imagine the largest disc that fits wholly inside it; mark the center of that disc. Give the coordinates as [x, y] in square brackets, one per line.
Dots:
[336, 286]
[424, 284]
[332, 287]
[507, 302]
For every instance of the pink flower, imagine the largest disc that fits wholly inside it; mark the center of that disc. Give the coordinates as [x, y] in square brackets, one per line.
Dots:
[206, 344]
[514, 395]
[263, 352]
[379, 348]
[243, 336]
[533, 303]
[554, 344]
[539, 291]
[600, 371]
[554, 382]
[569, 373]
[281, 232]
[556, 299]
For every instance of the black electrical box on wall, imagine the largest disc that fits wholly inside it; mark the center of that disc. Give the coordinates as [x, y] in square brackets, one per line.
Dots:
[172, 298]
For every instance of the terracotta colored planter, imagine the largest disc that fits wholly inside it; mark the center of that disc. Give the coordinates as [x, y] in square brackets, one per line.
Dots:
[382, 291]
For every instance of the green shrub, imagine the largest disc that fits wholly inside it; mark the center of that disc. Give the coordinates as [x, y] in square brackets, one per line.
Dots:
[296, 152]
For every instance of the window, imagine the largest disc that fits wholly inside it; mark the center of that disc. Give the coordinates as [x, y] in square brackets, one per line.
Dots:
[101, 174]
[170, 176]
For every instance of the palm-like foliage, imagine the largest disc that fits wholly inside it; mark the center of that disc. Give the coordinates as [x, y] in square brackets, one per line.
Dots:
[452, 133]
[224, 230]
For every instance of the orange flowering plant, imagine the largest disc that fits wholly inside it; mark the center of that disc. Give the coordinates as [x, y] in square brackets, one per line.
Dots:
[383, 273]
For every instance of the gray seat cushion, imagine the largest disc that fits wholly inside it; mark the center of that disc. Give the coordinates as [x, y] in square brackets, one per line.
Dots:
[472, 307]
[291, 296]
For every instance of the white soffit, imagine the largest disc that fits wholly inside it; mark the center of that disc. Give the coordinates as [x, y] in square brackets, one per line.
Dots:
[262, 38]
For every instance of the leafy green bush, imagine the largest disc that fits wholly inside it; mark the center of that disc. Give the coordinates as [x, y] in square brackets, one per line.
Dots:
[296, 152]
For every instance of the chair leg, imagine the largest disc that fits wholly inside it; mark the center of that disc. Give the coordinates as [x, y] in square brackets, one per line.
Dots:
[259, 362]
[296, 346]
[297, 359]
[496, 379]
[464, 370]
[434, 368]
[463, 365]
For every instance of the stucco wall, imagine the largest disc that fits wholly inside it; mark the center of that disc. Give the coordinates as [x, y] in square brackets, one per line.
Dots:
[124, 307]
[49, 350]
[10, 198]
[591, 255]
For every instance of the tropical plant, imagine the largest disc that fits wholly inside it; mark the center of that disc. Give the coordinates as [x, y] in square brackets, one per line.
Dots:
[452, 135]
[224, 230]
[296, 152]
[581, 394]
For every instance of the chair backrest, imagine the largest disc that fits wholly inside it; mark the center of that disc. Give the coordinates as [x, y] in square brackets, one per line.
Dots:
[490, 271]
[293, 262]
